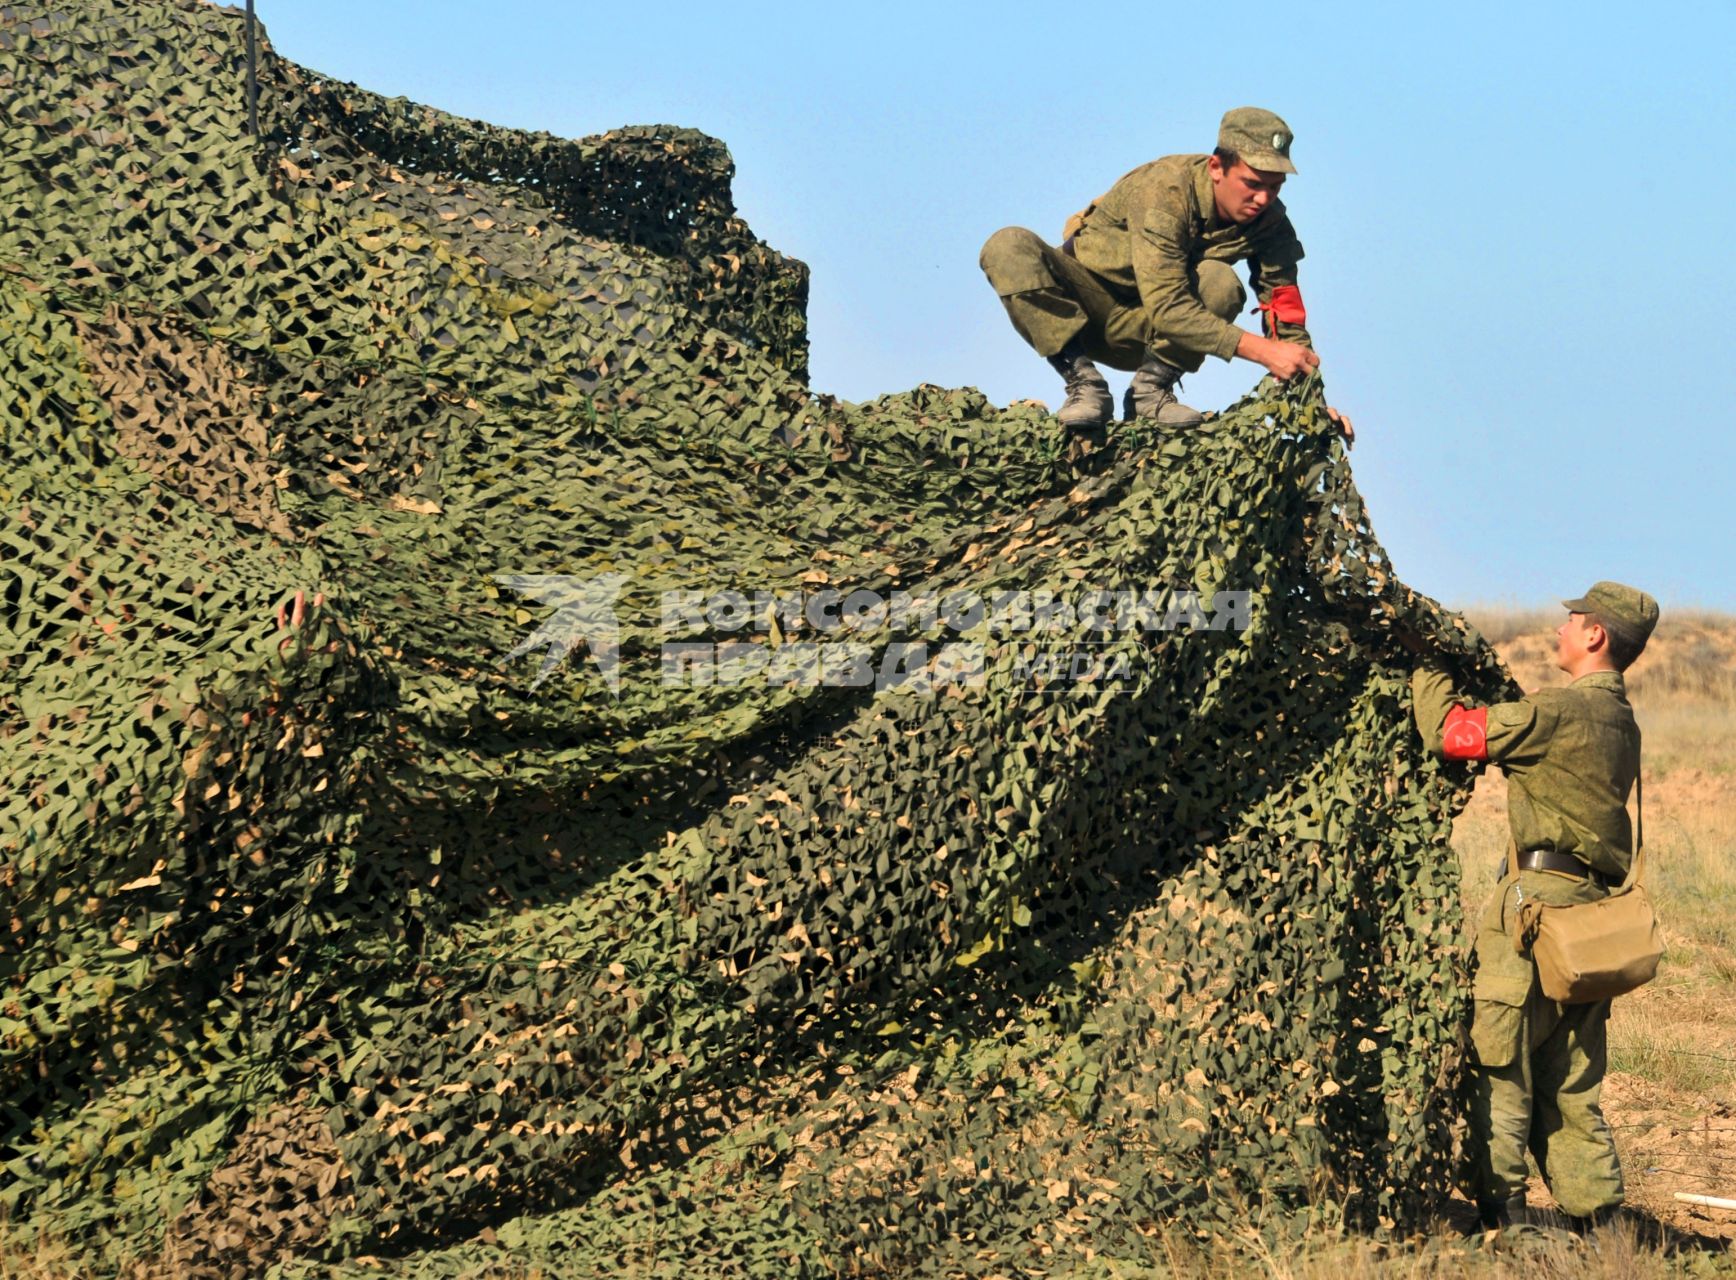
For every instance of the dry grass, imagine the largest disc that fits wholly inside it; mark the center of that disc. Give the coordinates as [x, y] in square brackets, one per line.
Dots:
[1616, 1252]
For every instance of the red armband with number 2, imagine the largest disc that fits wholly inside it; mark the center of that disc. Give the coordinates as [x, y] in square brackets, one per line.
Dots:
[1465, 736]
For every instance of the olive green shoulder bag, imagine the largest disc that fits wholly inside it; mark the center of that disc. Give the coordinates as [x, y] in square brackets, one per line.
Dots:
[1590, 951]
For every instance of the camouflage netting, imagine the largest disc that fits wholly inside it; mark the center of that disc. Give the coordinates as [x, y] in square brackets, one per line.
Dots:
[331, 935]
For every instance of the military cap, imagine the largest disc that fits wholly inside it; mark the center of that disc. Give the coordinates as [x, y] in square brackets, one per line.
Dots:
[1258, 137]
[1625, 611]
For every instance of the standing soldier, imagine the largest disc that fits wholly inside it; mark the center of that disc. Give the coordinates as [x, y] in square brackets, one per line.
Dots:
[1142, 280]
[1571, 755]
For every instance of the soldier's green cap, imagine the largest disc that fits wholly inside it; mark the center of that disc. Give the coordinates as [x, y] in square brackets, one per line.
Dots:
[1258, 137]
[1625, 611]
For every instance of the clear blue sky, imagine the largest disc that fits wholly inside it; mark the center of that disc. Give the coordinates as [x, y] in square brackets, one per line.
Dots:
[1517, 218]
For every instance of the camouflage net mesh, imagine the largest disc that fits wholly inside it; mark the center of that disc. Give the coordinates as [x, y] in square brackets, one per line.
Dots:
[332, 936]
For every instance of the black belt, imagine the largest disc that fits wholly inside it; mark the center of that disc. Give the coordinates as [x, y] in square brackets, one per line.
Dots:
[1547, 859]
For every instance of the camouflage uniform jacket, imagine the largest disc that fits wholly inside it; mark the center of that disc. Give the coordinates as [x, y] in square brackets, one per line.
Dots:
[1157, 223]
[1570, 755]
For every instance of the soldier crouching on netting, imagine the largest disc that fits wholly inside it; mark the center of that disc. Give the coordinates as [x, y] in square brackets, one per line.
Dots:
[1142, 280]
[1571, 755]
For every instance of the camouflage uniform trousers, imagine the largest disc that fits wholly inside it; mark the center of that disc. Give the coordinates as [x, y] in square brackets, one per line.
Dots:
[1538, 1066]
[1051, 298]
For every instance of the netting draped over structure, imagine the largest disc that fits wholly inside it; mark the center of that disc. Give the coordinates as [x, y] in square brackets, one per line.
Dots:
[332, 931]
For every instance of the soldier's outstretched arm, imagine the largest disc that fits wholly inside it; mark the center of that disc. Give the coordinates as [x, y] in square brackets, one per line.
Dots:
[1272, 272]
[1284, 359]
[1506, 733]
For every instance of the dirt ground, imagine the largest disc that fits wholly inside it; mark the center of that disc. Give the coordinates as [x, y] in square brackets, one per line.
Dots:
[1669, 1142]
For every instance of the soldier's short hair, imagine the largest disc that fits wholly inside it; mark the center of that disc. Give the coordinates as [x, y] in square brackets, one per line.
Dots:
[1622, 649]
[1226, 158]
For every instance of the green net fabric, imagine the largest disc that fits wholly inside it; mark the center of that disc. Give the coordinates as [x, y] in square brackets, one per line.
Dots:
[345, 928]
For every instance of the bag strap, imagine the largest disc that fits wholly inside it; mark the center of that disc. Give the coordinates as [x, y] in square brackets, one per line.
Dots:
[1637, 867]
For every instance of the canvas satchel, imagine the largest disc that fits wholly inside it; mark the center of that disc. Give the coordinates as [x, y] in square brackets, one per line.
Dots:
[1591, 951]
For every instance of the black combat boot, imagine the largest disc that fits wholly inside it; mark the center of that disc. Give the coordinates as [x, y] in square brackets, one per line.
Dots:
[1498, 1215]
[1597, 1219]
[1088, 402]
[1151, 395]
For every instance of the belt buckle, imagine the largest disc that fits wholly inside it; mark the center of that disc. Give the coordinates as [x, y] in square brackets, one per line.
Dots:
[1541, 858]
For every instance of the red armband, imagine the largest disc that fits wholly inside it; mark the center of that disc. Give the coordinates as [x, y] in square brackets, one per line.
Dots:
[1465, 736]
[1286, 306]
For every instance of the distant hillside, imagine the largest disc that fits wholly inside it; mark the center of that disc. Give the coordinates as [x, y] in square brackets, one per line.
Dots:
[1692, 654]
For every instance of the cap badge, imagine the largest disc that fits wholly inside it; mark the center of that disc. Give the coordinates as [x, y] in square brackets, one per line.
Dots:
[1277, 142]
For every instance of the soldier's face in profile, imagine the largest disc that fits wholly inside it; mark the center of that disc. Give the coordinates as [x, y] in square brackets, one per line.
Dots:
[1571, 640]
[1242, 193]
